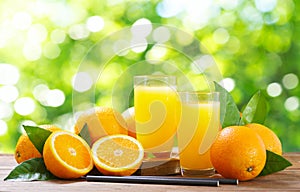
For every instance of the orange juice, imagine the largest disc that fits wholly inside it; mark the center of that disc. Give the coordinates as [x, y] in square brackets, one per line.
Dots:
[198, 128]
[155, 117]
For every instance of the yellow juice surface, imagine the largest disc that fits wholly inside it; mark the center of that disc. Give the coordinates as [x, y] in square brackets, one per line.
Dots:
[155, 117]
[198, 128]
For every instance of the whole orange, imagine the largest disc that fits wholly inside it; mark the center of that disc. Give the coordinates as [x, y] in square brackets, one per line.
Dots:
[238, 152]
[101, 121]
[270, 139]
[25, 149]
[129, 116]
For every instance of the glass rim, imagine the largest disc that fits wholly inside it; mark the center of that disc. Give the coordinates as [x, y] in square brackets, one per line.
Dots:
[154, 76]
[169, 80]
[188, 96]
[199, 92]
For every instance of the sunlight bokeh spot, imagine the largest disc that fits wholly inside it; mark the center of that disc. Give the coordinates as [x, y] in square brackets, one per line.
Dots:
[7, 23]
[32, 51]
[169, 8]
[229, 4]
[6, 111]
[8, 93]
[47, 97]
[138, 45]
[233, 44]
[3, 127]
[199, 13]
[51, 51]
[82, 81]
[24, 106]
[265, 5]
[55, 98]
[95, 23]
[58, 36]
[184, 38]
[161, 34]
[37, 33]
[290, 81]
[227, 19]
[228, 83]
[157, 52]
[291, 103]
[40, 91]
[78, 31]
[221, 36]
[9, 74]
[141, 28]
[22, 20]
[274, 89]
[255, 22]
[64, 14]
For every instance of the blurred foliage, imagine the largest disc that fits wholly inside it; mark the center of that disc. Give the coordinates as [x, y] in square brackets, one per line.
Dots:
[255, 44]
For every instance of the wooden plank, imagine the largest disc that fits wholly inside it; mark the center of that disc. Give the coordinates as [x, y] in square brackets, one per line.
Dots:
[160, 167]
[154, 167]
[284, 180]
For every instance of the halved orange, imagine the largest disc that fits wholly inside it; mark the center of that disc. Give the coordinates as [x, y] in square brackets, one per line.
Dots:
[119, 155]
[67, 155]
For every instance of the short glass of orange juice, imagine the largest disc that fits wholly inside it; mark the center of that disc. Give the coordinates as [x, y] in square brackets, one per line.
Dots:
[155, 97]
[199, 121]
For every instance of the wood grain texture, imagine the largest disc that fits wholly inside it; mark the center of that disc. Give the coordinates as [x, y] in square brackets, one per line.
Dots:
[288, 179]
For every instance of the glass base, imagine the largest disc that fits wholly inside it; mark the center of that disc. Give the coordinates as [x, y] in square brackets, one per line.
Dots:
[198, 172]
[163, 155]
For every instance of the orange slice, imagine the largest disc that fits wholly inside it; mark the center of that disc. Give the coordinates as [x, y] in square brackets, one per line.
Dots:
[67, 155]
[119, 155]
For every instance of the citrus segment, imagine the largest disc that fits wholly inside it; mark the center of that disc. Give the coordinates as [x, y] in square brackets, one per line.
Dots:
[117, 155]
[238, 152]
[101, 121]
[67, 155]
[270, 139]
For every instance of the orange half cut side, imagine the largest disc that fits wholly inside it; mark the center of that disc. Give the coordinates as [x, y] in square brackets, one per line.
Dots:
[117, 155]
[67, 155]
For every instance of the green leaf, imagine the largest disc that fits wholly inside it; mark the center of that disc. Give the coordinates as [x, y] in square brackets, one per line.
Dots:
[84, 133]
[229, 113]
[256, 110]
[37, 136]
[274, 163]
[30, 170]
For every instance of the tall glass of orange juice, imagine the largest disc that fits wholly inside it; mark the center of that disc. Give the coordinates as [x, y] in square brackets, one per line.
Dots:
[155, 98]
[199, 121]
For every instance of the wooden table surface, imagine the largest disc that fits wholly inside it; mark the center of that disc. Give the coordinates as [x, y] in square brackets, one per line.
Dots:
[288, 179]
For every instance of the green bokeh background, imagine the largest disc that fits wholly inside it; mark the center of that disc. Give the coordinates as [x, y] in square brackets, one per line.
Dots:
[255, 44]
